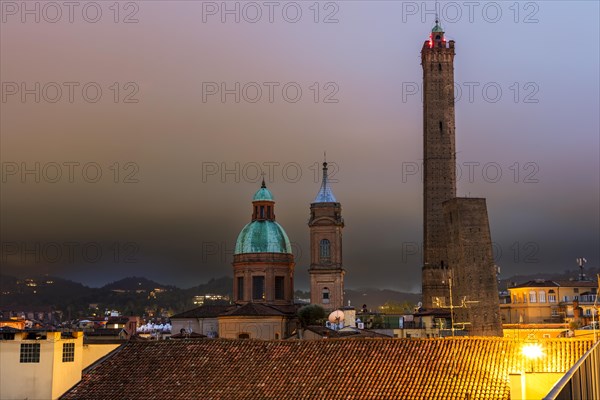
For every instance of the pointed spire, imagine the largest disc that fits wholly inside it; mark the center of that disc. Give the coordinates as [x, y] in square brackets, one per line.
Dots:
[264, 185]
[325, 194]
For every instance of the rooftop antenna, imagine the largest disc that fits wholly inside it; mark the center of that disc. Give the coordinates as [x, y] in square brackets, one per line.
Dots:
[581, 262]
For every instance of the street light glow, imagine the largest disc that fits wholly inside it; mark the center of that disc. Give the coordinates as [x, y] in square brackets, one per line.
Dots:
[532, 351]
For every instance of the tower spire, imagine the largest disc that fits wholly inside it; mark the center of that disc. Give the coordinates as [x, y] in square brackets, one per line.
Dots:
[325, 194]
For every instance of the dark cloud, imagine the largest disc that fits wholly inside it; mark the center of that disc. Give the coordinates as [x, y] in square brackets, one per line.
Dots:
[178, 169]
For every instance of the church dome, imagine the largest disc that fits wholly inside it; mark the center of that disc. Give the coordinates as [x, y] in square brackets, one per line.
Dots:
[264, 236]
[263, 194]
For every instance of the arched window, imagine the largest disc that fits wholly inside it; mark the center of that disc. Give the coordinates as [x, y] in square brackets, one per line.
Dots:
[325, 250]
[542, 296]
[325, 295]
[244, 336]
[532, 297]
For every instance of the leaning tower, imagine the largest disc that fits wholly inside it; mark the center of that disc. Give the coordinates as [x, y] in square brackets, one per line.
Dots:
[439, 160]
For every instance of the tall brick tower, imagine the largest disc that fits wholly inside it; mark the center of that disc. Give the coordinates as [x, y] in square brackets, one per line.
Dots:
[326, 268]
[439, 160]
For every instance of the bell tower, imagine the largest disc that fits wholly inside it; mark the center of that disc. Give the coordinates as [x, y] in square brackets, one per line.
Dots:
[326, 268]
[439, 160]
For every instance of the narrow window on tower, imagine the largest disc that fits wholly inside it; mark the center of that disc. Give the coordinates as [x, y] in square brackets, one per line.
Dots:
[441, 127]
[324, 250]
[268, 211]
[262, 209]
[258, 288]
[325, 295]
[279, 288]
[240, 288]
[439, 67]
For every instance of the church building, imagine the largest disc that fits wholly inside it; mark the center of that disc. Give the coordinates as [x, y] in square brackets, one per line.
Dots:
[263, 278]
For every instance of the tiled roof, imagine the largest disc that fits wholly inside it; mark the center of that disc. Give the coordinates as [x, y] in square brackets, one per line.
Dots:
[192, 335]
[205, 311]
[220, 369]
[347, 332]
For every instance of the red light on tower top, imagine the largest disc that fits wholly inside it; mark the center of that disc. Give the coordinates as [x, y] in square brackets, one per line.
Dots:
[437, 39]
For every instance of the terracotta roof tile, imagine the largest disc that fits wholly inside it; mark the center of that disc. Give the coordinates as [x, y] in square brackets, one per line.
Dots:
[220, 369]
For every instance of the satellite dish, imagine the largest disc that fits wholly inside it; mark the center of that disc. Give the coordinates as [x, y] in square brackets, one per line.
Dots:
[336, 317]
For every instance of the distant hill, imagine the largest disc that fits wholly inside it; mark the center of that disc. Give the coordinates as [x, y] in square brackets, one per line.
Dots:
[136, 283]
[139, 295]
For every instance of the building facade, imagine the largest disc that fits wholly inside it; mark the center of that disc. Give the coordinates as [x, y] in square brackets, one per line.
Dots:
[326, 268]
[546, 301]
[39, 365]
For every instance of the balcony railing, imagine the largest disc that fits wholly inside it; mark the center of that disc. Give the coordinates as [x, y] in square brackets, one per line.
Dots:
[582, 381]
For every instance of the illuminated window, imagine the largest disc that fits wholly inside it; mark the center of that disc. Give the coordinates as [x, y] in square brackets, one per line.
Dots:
[325, 294]
[542, 296]
[68, 352]
[258, 287]
[325, 250]
[532, 297]
[30, 353]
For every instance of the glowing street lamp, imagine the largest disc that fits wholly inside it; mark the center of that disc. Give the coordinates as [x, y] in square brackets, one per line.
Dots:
[530, 351]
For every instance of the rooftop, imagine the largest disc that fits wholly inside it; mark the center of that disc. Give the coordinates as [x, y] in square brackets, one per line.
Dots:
[474, 368]
[550, 283]
[205, 311]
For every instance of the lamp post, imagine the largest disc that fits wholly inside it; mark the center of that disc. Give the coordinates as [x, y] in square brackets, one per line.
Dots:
[530, 352]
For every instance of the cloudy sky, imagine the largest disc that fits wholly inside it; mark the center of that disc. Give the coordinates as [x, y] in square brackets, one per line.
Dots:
[132, 133]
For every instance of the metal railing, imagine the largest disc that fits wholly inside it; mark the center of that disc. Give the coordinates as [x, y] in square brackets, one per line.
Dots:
[582, 381]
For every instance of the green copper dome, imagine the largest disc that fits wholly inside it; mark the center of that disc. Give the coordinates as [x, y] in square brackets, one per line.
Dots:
[262, 237]
[437, 28]
[263, 194]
